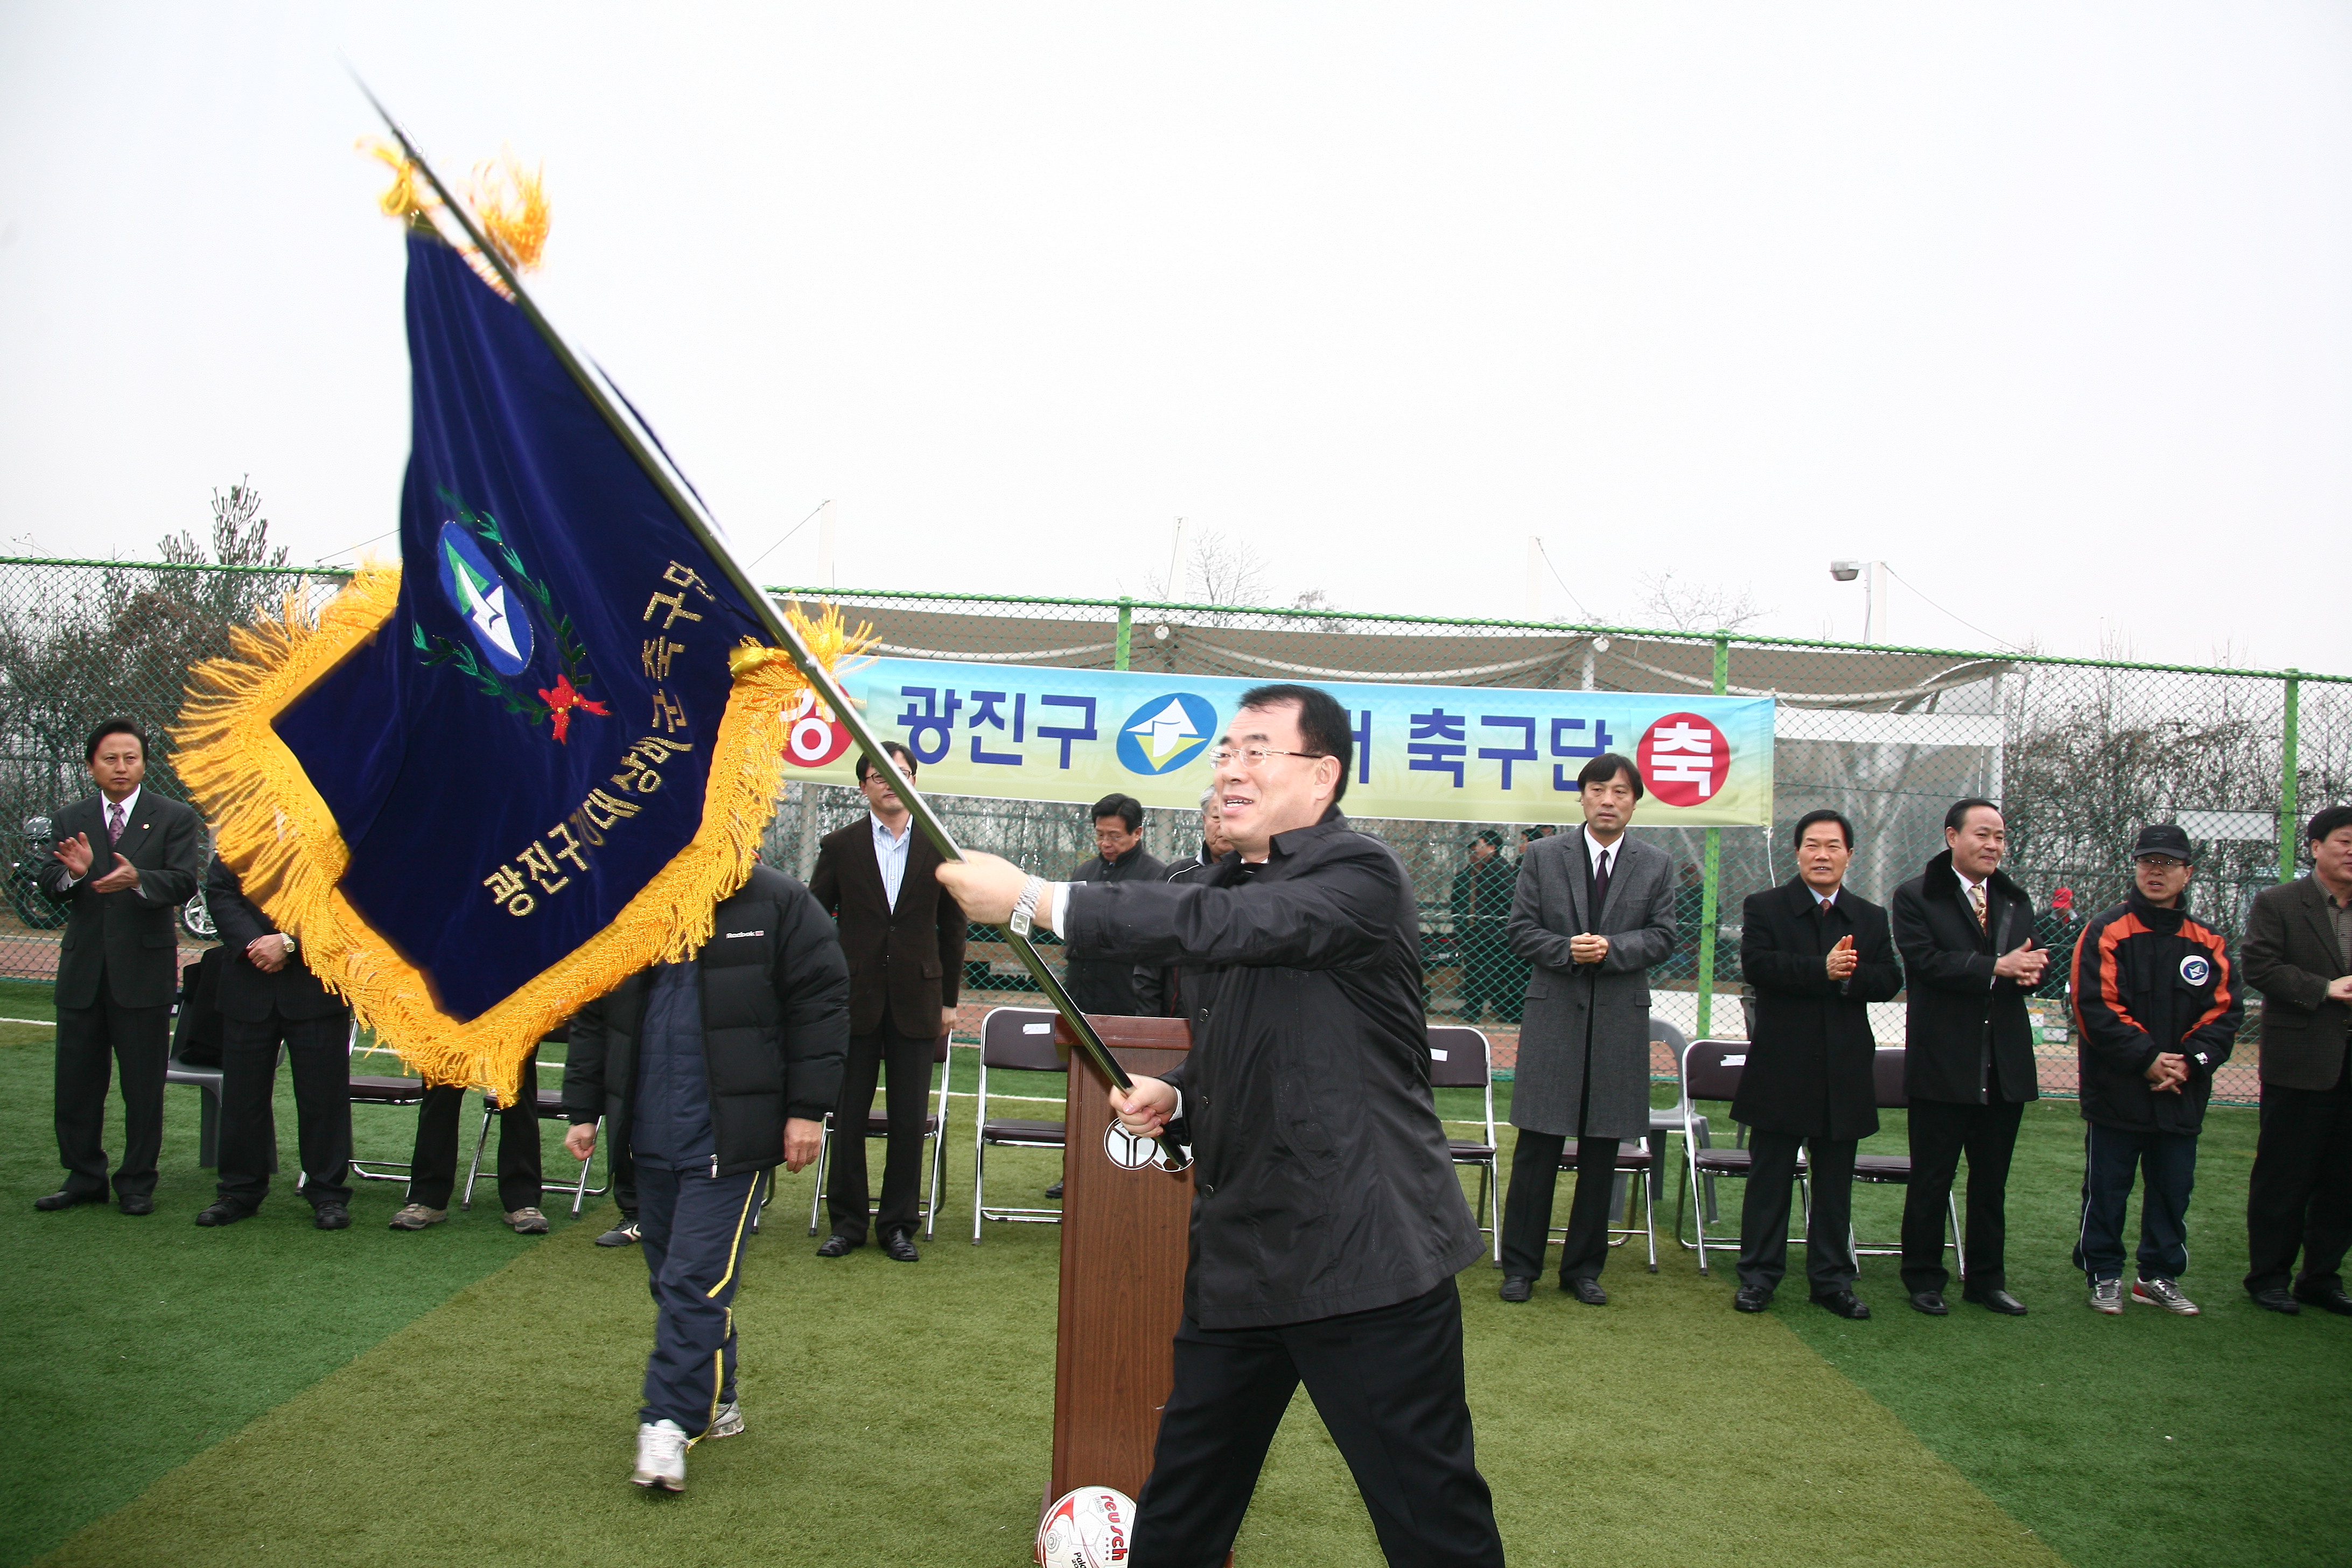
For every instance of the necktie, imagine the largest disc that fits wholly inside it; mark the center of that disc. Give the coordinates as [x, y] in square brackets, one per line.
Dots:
[114, 821]
[1600, 884]
[1977, 902]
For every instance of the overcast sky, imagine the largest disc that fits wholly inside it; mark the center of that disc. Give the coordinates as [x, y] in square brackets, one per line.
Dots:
[2048, 305]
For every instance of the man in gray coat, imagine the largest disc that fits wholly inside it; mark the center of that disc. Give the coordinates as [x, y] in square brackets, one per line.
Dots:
[1593, 911]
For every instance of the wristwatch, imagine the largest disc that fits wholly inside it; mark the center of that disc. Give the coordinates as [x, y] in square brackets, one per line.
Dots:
[290, 942]
[1024, 909]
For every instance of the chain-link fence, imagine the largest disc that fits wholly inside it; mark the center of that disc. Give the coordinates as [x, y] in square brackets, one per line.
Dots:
[2081, 754]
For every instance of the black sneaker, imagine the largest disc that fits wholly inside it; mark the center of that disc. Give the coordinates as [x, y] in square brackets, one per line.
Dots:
[621, 1234]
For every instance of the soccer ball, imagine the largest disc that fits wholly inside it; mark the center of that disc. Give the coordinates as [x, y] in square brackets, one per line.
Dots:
[1092, 1527]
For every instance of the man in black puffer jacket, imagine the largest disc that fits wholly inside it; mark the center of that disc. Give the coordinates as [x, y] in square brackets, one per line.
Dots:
[2156, 1004]
[709, 1072]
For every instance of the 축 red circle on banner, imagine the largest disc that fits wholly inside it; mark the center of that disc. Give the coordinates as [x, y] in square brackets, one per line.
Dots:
[813, 737]
[1684, 759]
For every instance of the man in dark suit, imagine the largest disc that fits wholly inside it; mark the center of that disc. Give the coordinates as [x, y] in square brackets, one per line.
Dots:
[1328, 1221]
[128, 860]
[904, 938]
[2298, 954]
[1966, 934]
[269, 997]
[1592, 910]
[1817, 955]
[1100, 986]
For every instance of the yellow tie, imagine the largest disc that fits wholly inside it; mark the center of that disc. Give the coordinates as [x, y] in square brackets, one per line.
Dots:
[1977, 902]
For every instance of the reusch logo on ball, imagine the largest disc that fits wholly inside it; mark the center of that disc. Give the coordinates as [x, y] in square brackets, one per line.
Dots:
[1166, 732]
[1684, 759]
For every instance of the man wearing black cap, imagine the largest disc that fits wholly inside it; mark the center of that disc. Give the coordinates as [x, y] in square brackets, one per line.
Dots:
[1482, 903]
[2156, 1004]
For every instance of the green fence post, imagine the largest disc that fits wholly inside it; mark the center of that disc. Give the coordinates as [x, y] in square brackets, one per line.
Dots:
[2288, 767]
[1710, 872]
[1125, 632]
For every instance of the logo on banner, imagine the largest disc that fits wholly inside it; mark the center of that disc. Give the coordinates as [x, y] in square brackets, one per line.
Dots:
[1684, 759]
[812, 736]
[1166, 732]
[493, 611]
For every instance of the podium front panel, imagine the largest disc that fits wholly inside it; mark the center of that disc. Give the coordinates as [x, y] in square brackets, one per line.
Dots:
[1125, 1241]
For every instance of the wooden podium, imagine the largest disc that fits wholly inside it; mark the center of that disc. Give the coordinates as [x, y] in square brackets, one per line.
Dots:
[1126, 1225]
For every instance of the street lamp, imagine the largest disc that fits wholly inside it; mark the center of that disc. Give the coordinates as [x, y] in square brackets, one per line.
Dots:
[1874, 611]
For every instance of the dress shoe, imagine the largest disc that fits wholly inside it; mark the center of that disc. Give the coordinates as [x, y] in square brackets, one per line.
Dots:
[332, 1217]
[1751, 1299]
[1054, 1191]
[2328, 1298]
[135, 1203]
[2000, 1302]
[1587, 1291]
[900, 1247]
[1928, 1301]
[222, 1211]
[66, 1200]
[837, 1246]
[2278, 1298]
[1517, 1287]
[1846, 1304]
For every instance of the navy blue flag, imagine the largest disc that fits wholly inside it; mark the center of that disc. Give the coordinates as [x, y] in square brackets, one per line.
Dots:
[484, 787]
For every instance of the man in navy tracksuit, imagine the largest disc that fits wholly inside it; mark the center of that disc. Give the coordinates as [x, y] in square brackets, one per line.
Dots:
[709, 1072]
[2156, 1005]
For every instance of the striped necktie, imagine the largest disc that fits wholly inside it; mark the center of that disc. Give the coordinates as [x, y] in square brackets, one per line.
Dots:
[114, 821]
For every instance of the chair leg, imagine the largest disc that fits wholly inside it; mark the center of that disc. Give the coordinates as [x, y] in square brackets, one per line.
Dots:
[1959, 1258]
[765, 1189]
[979, 1179]
[824, 1148]
[1698, 1217]
[931, 1210]
[1650, 1223]
[1490, 1179]
[489, 1115]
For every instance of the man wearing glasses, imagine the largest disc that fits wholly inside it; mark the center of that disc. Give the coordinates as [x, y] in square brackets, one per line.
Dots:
[2156, 1003]
[1327, 1223]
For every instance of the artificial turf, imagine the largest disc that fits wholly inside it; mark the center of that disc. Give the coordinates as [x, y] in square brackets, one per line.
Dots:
[466, 1395]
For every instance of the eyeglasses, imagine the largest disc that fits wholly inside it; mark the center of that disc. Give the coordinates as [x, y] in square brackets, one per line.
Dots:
[2161, 862]
[1254, 756]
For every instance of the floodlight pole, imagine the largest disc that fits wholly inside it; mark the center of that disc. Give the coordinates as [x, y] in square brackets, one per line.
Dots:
[682, 500]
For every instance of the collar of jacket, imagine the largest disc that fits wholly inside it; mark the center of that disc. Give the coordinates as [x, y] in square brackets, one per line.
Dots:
[1999, 882]
[1128, 859]
[1299, 838]
[1802, 897]
[2155, 917]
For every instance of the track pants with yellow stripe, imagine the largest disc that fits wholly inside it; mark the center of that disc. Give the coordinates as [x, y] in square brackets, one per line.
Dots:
[693, 1226]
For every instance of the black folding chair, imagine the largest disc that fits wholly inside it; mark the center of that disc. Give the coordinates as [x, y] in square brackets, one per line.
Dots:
[1895, 1170]
[1013, 1039]
[1711, 1069]
[877, 1125]
[1460, 1058]
[1636, 1163]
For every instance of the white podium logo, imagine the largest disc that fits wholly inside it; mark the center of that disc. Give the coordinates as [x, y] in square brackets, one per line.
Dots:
[1129, 1153]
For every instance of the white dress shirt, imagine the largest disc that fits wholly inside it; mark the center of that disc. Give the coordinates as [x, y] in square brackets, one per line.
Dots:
[1601, 855]
[101, 856]
[890, 856]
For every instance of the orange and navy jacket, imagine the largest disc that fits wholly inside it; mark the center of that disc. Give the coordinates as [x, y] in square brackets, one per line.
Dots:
[2147, 980]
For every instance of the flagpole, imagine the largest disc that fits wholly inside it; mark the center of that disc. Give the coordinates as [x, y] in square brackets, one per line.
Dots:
[682, 500]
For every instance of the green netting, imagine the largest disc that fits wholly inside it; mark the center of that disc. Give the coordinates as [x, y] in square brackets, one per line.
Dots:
[2080, 753]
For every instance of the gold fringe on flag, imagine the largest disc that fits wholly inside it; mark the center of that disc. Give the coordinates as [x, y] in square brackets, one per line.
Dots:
[277, 835]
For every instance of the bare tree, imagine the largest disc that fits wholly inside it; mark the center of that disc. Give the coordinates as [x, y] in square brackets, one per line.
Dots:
[240, 533]
[1679, 604]
[1218, 570]
[1328, 618]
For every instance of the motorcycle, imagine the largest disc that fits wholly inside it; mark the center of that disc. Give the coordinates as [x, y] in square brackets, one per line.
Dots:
[35, 905]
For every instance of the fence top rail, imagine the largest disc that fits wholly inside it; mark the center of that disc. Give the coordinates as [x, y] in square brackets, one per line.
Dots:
[1284, 611]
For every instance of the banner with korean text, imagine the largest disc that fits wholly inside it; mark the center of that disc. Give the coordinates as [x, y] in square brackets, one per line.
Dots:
[1441, 754]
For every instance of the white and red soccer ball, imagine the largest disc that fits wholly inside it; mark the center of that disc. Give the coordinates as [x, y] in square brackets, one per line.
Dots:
[1093, 1527]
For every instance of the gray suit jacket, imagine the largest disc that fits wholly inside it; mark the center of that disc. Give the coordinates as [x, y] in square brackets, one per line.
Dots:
[2290, 955]
[1587, 1018]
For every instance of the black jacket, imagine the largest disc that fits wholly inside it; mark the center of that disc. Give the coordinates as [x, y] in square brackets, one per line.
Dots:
[126, 935]
[1812, 1057]
[2147, 980]
[1107, 986]
[1322, 1183]
[2291, 955]
[1158, 993]
[247, 991]
[905, 963]
[775, 1024]
[1961, 1018]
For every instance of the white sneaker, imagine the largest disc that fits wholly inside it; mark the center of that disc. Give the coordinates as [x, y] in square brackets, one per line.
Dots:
[2108, 1296]
[2163, 1293]
[727, 1422]
[661, 1456]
